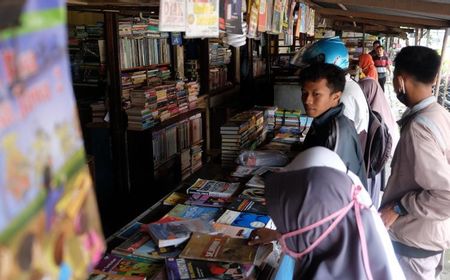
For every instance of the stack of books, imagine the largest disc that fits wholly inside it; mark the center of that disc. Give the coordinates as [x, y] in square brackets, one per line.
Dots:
[218, 54]
[191, 68]
[287, 118]
[218, 77]
[193, 90]
[98, 111]
[182, 97]
[142, 110]
[196, 134]
[240, 132]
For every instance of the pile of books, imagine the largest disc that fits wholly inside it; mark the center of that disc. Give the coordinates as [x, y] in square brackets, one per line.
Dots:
[138, 52]
[98, 111]
[218, 54]
[240, 132]
[202, 237]
[218, 77]
[193, 90]
[287, 118]
[191, 68]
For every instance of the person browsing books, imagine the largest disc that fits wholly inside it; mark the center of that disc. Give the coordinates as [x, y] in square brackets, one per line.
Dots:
[322, 85]
[416, 203]
[327, 201]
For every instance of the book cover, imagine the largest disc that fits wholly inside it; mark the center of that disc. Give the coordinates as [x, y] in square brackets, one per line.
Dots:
[256, 181]
[213, 188]
[232, 231]
[255, 194]
[133, 243]
[262, 16]
[175, 198]
[151, 251]
[127, 232]
[169, 234]
[113, 265]
[247, 205]
[243, 219]
[219, 248]
[183, 212]
[105, 276]
[243, 171]
[206, 200]
[194, 269]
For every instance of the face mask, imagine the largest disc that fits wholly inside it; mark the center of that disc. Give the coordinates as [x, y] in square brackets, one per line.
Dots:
[336, 217]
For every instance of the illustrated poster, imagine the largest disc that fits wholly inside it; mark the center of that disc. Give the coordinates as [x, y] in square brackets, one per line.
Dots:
[202, 18]
[49, 224]
[172, 15]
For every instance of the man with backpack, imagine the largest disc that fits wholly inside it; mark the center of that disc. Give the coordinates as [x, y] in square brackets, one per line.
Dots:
[416, 204]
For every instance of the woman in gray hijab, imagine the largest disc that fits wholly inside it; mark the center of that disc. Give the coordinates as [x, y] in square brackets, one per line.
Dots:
[328, 225]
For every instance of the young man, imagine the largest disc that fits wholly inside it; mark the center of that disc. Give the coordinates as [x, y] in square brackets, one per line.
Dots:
[382, 63]
[322, 85]
[375, 45]
[416, 203]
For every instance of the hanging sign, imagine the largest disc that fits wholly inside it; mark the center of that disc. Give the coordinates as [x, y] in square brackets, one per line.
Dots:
[172, 15]
[202, 18]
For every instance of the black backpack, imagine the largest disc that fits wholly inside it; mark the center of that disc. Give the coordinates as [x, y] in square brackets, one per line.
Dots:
[378, 144]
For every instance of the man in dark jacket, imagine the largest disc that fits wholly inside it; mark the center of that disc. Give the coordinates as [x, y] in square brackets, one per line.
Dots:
[322, 85]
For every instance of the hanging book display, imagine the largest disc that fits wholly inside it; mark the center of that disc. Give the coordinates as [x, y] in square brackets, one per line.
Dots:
[253, 19]
[233, 18]
[262, 16]
[202, 18]
[172, 15]
[277, 16]
[49, 224]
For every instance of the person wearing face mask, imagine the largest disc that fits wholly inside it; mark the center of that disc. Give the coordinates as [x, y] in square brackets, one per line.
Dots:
[416, 204]
[326, 223]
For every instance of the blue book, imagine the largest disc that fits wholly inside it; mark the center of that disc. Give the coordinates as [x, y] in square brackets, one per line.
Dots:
[183, 212]
[245, 219]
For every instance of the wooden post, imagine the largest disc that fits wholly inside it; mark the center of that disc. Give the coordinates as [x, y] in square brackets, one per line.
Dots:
[438, 80]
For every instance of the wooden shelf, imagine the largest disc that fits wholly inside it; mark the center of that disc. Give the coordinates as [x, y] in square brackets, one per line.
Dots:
[141, 68]
[172, 120]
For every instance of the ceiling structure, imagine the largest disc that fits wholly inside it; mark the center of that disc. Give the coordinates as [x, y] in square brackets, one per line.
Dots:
[385, 16]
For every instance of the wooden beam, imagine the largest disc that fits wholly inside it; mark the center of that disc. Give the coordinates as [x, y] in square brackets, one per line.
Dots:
[415, 6]
[401, 19]
[370, 21]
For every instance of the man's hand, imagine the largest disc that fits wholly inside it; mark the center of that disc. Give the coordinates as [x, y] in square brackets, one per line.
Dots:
[263, 236]
[388, 215]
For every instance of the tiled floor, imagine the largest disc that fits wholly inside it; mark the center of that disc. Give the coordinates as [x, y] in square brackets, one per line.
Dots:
[398, 109]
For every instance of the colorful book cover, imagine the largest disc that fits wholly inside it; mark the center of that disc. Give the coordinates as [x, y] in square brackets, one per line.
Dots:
[219, 248]
[47, 202]
[202, 18]
[253, 18]
[114, 265]
[151, 251]
[255, 194]
[129, 231]
[105, 276]
[169, 234]
[262, 16]
[243, 219]
[183, 212]
[302, 18]
[133, 243]
[269, 15]
[277, 16]
[247, 205]
[213, 188]
[172, 15]
[222, 11]
[175, 198]
[184, 269]
[206, 200]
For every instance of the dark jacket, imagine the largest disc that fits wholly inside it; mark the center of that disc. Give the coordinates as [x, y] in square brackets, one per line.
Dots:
[336, 132]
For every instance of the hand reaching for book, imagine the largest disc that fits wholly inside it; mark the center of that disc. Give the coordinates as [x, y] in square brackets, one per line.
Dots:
[263, 236]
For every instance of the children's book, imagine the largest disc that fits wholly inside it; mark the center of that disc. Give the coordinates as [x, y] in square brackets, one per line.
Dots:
[247, 205]
[213, 188]
[244, 219]
[185, 269]
[113, 265]
[206, 200]
[175, 198]
[182, 212]
[219, 248]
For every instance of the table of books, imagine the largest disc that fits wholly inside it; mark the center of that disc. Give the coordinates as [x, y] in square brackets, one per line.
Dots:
[201, 230]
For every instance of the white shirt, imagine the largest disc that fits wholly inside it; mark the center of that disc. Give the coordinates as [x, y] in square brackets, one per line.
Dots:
[355, 102]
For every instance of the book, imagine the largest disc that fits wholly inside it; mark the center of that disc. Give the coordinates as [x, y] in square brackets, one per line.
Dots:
[219, 248]
[175, 198]
[244, 219]
[183, 212]
[247, 205]
[232, 231]
[256, 181]
[127, 232]
[134, 242]
[184, 269]
[255, 194]
[151, 251]
[169, 234]
[206, 200]
[243, 171]
[105, 276]
[213, 188]
[114, 265]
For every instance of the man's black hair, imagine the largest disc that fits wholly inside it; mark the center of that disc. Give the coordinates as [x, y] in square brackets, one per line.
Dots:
[376, 42]
[334, 75]
[421, 63]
